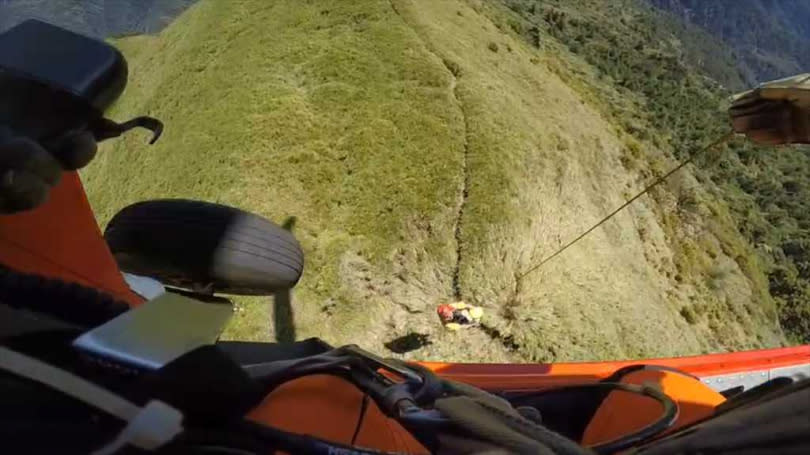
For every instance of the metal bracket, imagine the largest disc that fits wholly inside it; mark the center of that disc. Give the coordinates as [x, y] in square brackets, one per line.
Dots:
[157, 332]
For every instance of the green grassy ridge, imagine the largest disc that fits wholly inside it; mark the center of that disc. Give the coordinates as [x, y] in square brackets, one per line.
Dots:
[332, 113]
[362, 120]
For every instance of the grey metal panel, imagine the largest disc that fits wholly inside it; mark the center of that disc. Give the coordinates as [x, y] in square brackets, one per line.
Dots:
[729, 381]
[754, 378]
[795, 372]
[145, 287]
[157, 332]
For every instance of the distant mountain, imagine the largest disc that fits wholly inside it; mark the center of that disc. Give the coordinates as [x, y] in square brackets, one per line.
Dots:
[98, 18]
[771, 38]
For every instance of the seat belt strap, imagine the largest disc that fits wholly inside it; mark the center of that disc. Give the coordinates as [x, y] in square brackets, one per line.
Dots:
[148, 428]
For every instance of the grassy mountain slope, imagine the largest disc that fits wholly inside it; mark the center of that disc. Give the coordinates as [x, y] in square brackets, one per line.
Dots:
[660, 64]
[333, 115]
[770, 37]
[428, 152]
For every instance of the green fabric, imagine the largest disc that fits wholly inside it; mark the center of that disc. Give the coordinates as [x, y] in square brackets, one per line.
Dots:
[485, 425]
[494, 424]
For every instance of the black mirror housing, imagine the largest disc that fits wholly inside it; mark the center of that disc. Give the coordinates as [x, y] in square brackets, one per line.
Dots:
[91, 71]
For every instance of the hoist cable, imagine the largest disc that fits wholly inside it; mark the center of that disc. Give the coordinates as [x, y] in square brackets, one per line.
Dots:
[717, 142]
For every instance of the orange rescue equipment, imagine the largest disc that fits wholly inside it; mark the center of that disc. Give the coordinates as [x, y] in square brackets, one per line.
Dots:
[329, 408]
[623, 413]
[61, 239]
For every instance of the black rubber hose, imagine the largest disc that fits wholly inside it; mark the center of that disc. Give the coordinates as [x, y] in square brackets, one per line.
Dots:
[71, 303]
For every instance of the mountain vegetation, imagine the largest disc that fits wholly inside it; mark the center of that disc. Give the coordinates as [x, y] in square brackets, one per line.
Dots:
[644, 52]
[770, 39]
[435, 151]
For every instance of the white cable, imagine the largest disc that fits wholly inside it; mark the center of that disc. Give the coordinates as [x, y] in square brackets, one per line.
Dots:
[156, 424]
[67, 383]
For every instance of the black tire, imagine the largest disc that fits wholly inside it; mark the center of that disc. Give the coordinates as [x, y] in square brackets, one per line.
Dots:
[200, 245]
